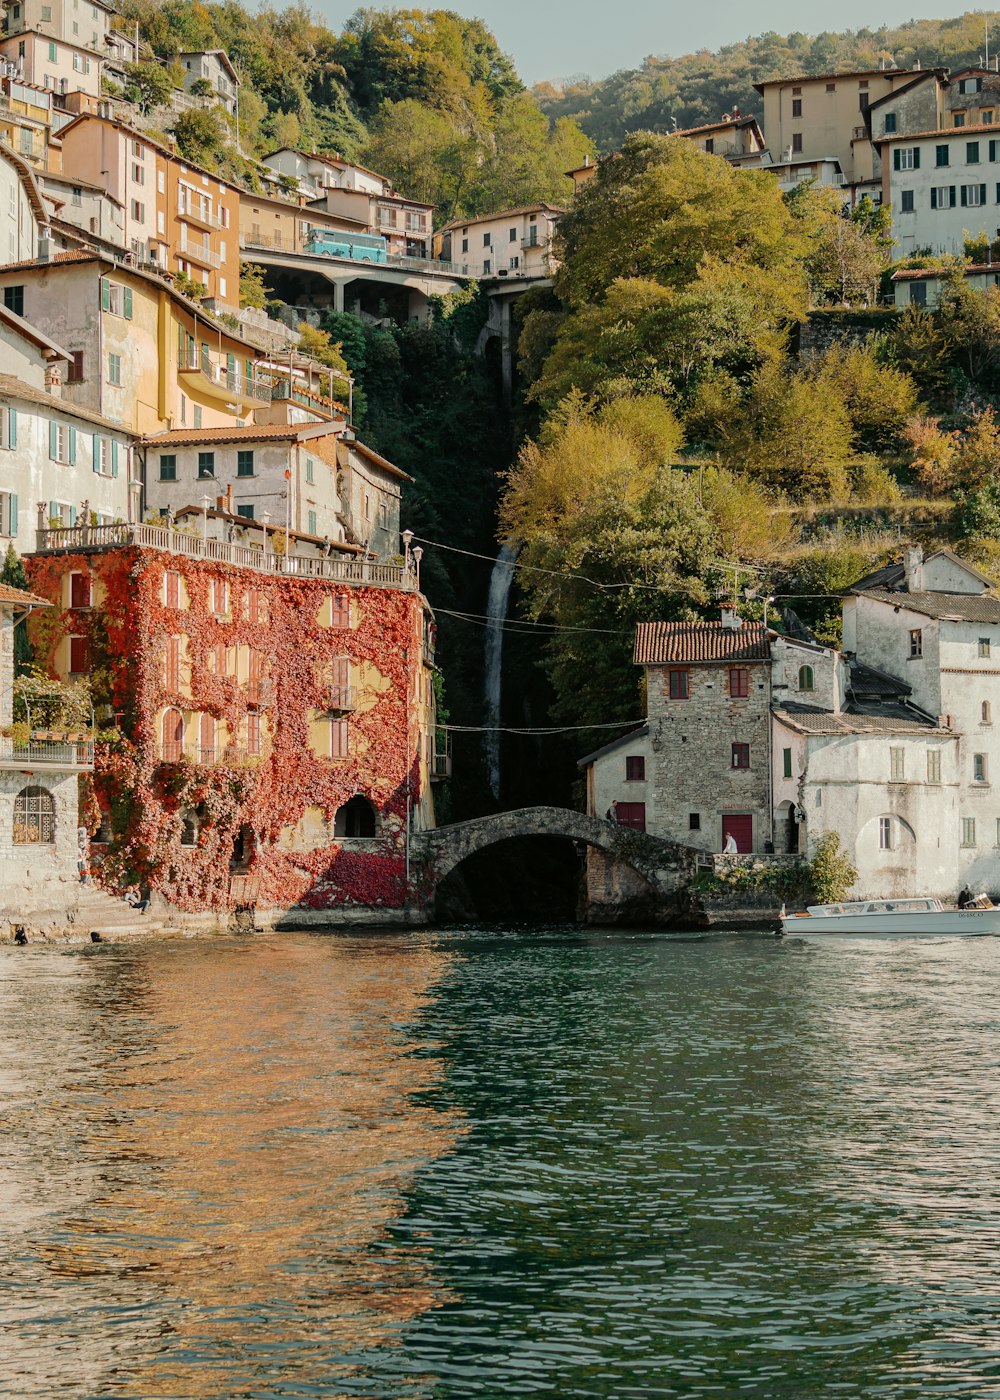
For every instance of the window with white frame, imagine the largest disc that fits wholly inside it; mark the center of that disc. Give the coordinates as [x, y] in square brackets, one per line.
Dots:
[897, 765]
[968, 831]
[885, 833]
[933, 765]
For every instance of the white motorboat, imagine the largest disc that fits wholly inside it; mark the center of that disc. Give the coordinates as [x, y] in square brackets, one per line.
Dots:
[893, 918]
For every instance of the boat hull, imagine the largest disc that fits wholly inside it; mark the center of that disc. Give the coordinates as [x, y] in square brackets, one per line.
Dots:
[937, 923]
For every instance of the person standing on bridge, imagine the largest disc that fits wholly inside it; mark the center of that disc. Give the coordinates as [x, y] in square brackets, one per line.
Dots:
[611, 814]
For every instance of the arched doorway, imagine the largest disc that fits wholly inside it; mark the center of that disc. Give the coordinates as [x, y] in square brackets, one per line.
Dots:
[34, 817]
[356, 818]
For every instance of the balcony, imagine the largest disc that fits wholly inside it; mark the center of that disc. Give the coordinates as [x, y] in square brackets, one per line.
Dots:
[440, 766]
[65, 755]
[260, 691]
[359, 573]
[534, 242]
[343, 697]
[200, 215]
[220, 382]
[201, 254]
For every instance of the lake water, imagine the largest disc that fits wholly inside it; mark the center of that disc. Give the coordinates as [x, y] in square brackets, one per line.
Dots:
[500, 1164]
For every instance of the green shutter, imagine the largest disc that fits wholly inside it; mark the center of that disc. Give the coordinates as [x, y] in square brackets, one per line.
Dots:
[934, 203]
[72, 447]
[12, 427]
[105, 294]
[12, 512]
[53, 510]
[982, 194]
[993, 150]
[114, 458]
[964, 197]
[53, 440]
[72, 516]
[895, 159]
[951, 195]
[916, 157]
[97, 453]
[128, 303]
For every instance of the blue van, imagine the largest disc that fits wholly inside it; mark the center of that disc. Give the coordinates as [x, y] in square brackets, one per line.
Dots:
[335, 243]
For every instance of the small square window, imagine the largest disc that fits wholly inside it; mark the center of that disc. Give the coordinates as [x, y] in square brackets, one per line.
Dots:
[168, 466]
[244, 462]
[635, 768]
[694, 821]
[246, 511]
[739, 682]
[984, 646]
[906, 202]
[741, 756]
[678, 685]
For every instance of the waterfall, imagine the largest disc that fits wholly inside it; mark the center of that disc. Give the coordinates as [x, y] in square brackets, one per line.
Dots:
[496, 613]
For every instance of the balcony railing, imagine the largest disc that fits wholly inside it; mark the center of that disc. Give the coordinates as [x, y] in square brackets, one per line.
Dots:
[202, 254]
[203, 217]
[440, 766]
[260, 690]
[75, 755]
[343, 697]
[222, 379]
[354, 572]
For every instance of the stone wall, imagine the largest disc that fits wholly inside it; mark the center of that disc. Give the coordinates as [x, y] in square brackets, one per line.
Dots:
[841, 327]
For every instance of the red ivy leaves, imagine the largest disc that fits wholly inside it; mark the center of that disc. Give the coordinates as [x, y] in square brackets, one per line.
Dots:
[148, 799]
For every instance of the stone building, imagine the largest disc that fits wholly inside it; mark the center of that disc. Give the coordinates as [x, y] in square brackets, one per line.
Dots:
[708, 709]
[275, 714]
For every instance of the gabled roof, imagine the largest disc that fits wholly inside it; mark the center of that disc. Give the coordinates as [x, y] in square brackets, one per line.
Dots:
[641, 733]
[730, 123]
[220, 54]
[939, 74]
[29, 332]
[668, 643]
[946, 607]
[893, 576]
[842, 77]
[867, 681]
[473, 219]
[26, 175]
[886, 719]
[13, 388]
[191, 437]
[959, 132]
[20, 598]
[378, 461]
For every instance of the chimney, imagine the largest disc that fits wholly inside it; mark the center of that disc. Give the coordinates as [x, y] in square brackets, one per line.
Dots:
[731, 620]
[220, 503]
[44, 248]
[913, 568]
[53, 379]
[229, 499]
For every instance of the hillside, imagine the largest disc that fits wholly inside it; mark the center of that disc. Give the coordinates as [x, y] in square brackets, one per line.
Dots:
[699, 87]
[424, 96]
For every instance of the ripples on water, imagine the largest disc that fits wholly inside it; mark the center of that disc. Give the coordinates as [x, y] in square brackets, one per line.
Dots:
[500, 1165]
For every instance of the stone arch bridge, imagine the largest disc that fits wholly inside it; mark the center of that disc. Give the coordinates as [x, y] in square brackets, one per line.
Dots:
[664, 865]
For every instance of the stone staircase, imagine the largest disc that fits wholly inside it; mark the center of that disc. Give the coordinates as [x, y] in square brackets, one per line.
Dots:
[106, 918]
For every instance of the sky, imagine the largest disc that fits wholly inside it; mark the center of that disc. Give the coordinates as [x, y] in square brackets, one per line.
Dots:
[565, 38]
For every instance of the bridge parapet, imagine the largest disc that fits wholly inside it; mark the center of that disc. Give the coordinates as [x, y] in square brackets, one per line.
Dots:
[663, 864]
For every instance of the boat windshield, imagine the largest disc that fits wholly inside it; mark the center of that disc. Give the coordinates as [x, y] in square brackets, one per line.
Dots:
[876, 906]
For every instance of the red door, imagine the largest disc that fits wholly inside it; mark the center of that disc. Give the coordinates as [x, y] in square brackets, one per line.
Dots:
[632, 815]
[740, 827]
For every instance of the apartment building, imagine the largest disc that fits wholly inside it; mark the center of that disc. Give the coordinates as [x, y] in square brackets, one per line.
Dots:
[24, 214]
[55, 65]
[177, 216]
[825, 116]
[268, 222]
[510, 243]
[212, 66]
[735, 138]
[364, 198]
[940, 185]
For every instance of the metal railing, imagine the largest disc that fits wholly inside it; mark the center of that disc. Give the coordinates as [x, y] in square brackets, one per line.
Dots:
[260, 690]
[201, 253]
[357, 572]
[440, 765]
[47, 753]
[343, 697]
[229, 379]
[200, 216]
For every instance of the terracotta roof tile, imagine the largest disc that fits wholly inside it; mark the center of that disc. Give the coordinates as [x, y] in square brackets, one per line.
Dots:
[17, 595]
[663, 643]
[13, 388]
[190, 437]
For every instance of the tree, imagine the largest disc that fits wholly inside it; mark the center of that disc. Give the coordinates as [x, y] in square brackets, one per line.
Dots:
[830, 870]
[252, 289]
[202, 87]
[317, 345]
[847, 254]
[13, 574]
[796, 435]
[880, 399]
[147, 85]
[934, 453]
[200, 134]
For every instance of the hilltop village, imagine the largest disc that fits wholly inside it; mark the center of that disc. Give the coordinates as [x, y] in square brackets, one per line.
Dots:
[233, 687]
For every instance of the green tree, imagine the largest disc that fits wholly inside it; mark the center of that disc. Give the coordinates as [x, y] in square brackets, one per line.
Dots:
[796, 435]
[831, 873]
[147, 85]
[201, 135]
[253, 292]
[880, 399]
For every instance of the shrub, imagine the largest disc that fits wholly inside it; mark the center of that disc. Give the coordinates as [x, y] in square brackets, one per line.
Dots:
[831, 872]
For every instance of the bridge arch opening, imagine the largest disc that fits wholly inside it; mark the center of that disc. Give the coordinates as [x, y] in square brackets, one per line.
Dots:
[522, 877]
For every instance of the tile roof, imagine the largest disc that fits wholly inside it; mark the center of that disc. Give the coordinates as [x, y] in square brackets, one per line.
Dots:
[77, 256]
[843, 75]
[641, 733]
[894, 575]
[886, 719]
[950, 607]
[17, 595]
[959, 131]
[190, 437]
[382, 462]
[661, 643]
[12, 387]
[540, 208]
[716, 126]
[865, 680]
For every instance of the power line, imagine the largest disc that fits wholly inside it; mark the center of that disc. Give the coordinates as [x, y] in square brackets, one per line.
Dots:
[525, 625]
[563, 729]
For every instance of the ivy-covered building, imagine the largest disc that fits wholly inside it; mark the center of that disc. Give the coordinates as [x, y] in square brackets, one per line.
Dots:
[261, 715]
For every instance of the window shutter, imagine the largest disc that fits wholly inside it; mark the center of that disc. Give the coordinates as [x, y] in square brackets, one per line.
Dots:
[993, 150]
[965, 198]
[72, 515]
[916, 157]
[12, 427]
[97, 453]
[54, 511]
[53, 440]
[951, 193]
[982, 194]
[12, 513]
[128, 303]
[105, 294]
[72, 447]
[114, 458]
[934, 203]
[895, 159]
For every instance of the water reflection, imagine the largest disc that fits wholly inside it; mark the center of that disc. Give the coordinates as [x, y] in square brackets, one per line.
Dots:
[205, 1145]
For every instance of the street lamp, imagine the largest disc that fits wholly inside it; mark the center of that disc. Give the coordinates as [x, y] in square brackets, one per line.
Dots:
[265, 518]
[407, 541]
[206, 501]
[418, 554]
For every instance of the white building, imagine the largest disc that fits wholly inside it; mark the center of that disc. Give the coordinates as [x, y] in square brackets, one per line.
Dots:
[24, 215]
[510, 243]
[888, 743]
[213, 66]
[942, 185]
